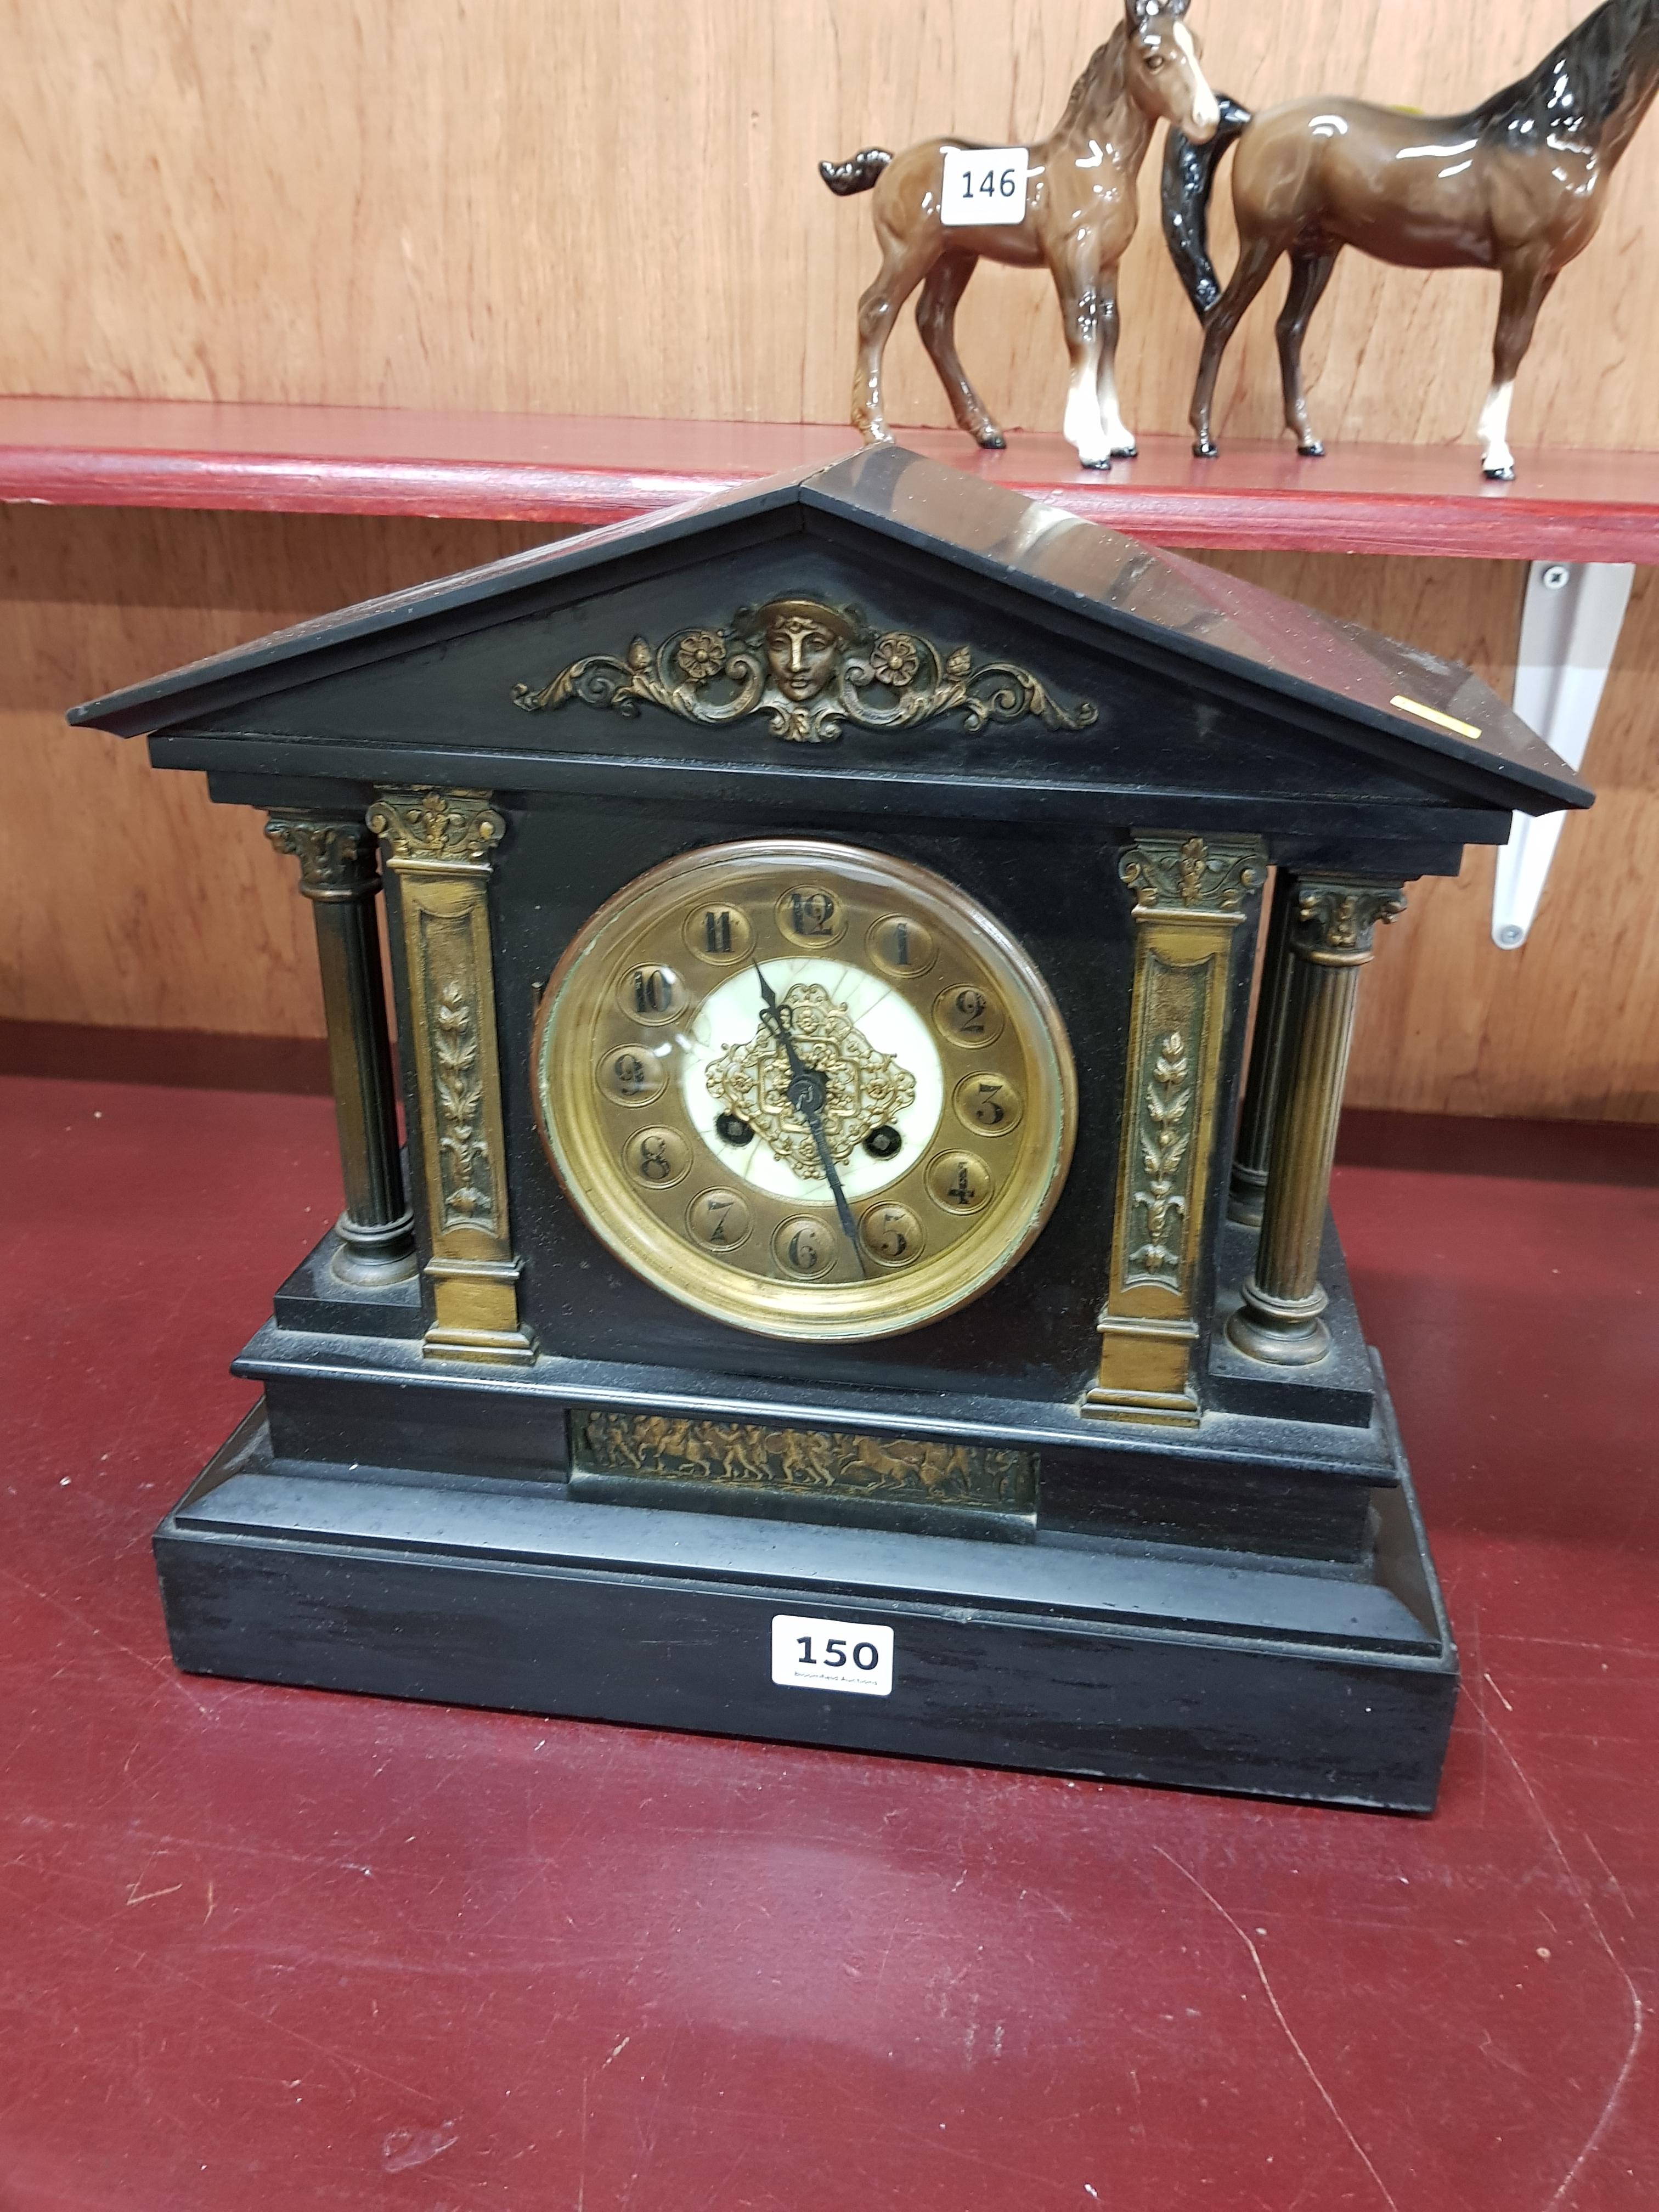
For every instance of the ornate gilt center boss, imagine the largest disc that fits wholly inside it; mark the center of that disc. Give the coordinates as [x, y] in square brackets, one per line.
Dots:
[875, 963]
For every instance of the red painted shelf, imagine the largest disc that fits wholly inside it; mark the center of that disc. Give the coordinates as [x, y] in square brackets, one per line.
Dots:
[1565, 505]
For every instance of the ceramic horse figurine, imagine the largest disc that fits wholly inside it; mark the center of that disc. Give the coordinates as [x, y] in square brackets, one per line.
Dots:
[1517, 185]
[1080, 215]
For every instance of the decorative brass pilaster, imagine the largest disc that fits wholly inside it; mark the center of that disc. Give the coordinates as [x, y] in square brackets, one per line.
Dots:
[339, 876]
[439, 844]
[1330, 940]
[1191, 895]
[1256, 1123]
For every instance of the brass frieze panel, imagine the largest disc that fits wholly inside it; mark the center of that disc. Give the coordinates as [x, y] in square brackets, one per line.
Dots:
[808, 1462]
[809, 668]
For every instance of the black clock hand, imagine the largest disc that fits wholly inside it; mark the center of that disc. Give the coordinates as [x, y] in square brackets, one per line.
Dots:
[807, 1094]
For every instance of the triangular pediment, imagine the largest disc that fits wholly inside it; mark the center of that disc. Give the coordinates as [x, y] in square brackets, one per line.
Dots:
[883, 617]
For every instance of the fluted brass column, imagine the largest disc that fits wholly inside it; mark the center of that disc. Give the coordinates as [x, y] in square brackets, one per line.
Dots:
[1255, 1124]
[338, 874]
[1331, 941]
[439, 845]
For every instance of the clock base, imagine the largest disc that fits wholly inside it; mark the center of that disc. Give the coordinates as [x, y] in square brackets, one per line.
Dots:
[1112, 1659]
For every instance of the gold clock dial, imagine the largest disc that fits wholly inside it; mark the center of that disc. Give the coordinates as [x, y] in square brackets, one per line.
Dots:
[811, 1091]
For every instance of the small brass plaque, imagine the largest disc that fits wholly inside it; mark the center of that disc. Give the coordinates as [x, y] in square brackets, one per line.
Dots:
[829, 1462]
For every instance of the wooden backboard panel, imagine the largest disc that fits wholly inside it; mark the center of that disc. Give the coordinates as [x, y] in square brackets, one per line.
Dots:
[416, 203]
[135, 900]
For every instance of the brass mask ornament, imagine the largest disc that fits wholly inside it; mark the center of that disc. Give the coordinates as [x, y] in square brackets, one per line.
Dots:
[809, 668]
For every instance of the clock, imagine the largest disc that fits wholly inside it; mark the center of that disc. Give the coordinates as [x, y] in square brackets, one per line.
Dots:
[812, 1090]
[744, 1304]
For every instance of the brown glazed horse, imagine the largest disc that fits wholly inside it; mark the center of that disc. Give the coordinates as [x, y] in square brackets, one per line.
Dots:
[1517, 185]
[1079, 218]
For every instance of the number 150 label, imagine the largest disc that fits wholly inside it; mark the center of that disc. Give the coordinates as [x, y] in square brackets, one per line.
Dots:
[831, 1655]
[988, 185]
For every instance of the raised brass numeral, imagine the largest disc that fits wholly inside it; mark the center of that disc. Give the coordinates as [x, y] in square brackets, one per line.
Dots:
[959, 1181]
[658, 1159]
[964, 1014]
[653, 994]
[990, 1104]
[722, 935]
[899, 946]
[805, 1248]
[891, 1234]
[810, 915]
[718, 1219]
[634, 1076]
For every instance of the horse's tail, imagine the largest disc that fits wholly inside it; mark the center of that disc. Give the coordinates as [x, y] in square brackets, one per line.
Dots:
[857, 175]
[1188, 178]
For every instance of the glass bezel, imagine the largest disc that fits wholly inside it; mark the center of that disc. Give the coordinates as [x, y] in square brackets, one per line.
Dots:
[578, 1125]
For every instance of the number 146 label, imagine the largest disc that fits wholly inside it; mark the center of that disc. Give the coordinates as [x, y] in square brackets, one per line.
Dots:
[985, 185]
[831, 1655]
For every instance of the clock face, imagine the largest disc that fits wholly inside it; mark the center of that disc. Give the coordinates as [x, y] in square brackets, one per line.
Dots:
[811, 1091]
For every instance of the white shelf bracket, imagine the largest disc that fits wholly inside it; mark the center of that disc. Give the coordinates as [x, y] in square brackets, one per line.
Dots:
[1569, 624]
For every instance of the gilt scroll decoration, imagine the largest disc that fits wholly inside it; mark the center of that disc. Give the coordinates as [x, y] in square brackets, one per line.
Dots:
[810, 668]
[1166, 1142]
[864, 1088]
[466, 1173]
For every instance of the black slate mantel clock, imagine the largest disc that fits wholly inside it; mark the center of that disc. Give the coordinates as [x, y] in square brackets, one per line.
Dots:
[841, 1285]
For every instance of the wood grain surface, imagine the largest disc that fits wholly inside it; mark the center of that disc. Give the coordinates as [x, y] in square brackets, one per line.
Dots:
[477, 205]
[483, 204]
[1569, 503]
[1568, 1025]
[132, 900]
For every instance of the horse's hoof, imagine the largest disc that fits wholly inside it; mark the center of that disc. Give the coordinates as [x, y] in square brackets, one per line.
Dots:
[1103, 463]
[1505, 474]
[991, 438]
[1125, 452]
[1311, 450]
[1204, 449]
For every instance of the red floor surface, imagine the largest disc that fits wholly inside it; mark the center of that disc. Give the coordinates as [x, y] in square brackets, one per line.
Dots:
[280, 1949]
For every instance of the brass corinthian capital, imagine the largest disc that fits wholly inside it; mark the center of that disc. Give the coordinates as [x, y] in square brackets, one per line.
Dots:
[446, 829]
[1336, 922]
[1188, 875]
[336, 856]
